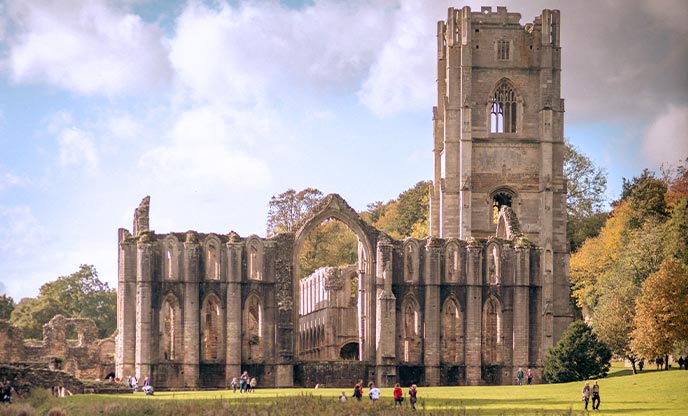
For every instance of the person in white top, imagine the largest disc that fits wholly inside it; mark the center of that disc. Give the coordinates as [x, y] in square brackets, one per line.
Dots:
[374, 392]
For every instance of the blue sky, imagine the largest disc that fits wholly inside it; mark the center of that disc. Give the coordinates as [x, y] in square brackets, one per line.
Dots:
[212, 107]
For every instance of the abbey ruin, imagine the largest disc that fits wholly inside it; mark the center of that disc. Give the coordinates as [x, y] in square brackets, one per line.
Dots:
[486, 293]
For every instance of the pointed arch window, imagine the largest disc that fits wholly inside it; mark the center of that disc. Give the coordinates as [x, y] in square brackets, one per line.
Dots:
[503, 109]
[499, 200]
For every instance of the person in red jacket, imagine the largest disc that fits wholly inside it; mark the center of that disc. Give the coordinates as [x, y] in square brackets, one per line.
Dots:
[398, 395]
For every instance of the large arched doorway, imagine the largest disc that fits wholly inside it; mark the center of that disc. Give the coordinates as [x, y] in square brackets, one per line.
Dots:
[351, 284]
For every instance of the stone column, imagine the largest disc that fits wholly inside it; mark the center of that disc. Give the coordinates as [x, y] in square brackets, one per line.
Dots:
[192, 311]
[143, 307]
[125, 349]
[234, 315]
[474, 307]
[521, 310]
[385, 318]
[431, 351]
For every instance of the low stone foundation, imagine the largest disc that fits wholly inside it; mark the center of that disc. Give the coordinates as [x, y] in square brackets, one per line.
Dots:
[331, 373]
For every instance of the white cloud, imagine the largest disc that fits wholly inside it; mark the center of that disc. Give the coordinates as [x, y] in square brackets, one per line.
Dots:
[209, 145]
[86, 46]
[124, 127]
[243, 54]
[77, 148]
[666, 140]
[20, 231]
[10, 180]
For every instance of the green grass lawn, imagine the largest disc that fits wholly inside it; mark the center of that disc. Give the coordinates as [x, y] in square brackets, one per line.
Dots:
[622, 393]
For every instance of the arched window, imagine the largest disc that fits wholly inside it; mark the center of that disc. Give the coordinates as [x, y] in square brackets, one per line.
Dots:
[411, 328]
[170, 328]
[452, 262]
[211, 328]
[492, 331]
[503, 109]
[499, 200]
[452, 332]
[253, 321]
[212, 261]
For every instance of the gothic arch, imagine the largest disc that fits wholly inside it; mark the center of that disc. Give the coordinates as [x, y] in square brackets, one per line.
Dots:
[452, 337]
[504, 108]
[492, 331]
[452, 262]
[499, 197]
[254, 258]
[171, 258]
[493, 263]
[411, 260]
[334, 206]
[411, 330]
[170, 328]
[211, 329]
[254, 327]
[212, 256]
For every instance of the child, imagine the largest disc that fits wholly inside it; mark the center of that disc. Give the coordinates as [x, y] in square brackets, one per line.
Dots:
[342, 398]
[412, 396]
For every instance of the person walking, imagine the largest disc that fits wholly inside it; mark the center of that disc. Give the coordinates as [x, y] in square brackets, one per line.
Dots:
[519, 376]
[243, 382]
[413, 392]
[234, 384]
[358, 390]
[529, 376]
[595, 396]
[252, 384]
[586, 394]
[342, 398]
[398, 395]
[373, 393]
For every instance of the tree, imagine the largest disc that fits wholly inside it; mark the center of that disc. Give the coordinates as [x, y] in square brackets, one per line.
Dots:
[6, 307]
[79, 295]
[329, 244]
[646, 194]
[579, 355]
[289, 208]
[661, 319]
[586, 185]
[406, 216]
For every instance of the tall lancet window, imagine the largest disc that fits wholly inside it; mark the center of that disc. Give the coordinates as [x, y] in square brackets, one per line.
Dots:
[503, 109]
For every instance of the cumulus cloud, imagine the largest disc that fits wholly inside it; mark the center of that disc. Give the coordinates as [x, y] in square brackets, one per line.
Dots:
[85, 46]
[77, 148]
[242, 53]
[666, 140]
[209, 145]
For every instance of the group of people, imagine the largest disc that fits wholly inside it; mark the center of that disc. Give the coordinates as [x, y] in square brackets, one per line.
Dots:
[591, 392]
[245, 383]
[374, 394]
[519, 376]
[133, 384]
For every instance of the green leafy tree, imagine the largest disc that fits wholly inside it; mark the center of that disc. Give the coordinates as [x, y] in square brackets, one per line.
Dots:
[6, 307]
[579, 355]
[329, 244]
[289, 208]
[646, 194]
[586, 185]
[79, 295]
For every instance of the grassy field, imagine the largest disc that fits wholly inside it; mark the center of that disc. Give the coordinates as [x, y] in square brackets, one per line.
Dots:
[649, 393]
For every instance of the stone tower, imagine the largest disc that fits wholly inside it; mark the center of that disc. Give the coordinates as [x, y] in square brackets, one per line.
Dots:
[498, 139]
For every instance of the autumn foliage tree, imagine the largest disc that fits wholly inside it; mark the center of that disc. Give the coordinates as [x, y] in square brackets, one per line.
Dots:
[661, 319]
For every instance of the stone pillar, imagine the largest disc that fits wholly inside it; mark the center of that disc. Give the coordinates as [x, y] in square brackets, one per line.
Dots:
[432, 320]
[521, 310]
[144, 276]
[386, 317]
[466, 127]
[234, 315]
[474, 307]
[125, 347]
[191, 310]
